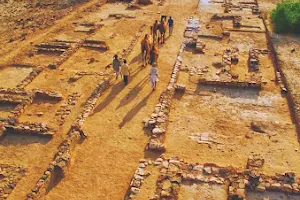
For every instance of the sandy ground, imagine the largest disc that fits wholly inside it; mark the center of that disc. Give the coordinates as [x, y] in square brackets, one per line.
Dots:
[102, 166]
[115, 128]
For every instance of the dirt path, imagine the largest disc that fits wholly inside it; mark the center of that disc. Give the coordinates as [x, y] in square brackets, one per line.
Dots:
[104, 163]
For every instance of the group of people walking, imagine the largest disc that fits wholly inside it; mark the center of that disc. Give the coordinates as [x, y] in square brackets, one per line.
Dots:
[124, 70]
[161, 28]
[121, 69]
[149, 50]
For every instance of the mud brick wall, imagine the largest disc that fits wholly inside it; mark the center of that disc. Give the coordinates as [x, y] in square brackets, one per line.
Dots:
[159, 118]
[286, 85]
[36, 71]
[175, 171]
[57, 169]
[31, 129]
[10, 176]
[47, 94]
[66, 108]
[127, 52]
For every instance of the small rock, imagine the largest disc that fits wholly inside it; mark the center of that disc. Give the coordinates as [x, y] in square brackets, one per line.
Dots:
[207, 170]
[165, 164]
[134, 190]
[165, 193]
[166, 185]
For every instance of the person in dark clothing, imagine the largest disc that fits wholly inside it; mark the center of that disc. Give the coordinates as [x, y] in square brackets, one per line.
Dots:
[171, 25]
[153, 54]
[116, 65]
[155, 30]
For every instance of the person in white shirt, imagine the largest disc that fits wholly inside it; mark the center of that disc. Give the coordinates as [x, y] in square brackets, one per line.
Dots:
[153, 76]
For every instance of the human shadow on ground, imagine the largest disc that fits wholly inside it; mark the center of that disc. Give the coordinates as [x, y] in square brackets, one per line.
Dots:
[116, 89]
[137, 58]
[128, 117]
[133, 92]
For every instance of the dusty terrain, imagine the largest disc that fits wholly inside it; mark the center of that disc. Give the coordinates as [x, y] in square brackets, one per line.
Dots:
[70, 130]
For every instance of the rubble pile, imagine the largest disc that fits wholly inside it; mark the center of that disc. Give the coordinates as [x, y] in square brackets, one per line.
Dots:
[253, 60]
[16, 91]
[10, 176]
[87, 27]
[52, 47]
[227, 57]
[219, 16]
[31, 129]
[66, 108]
[180, 88]
[199, 46]
[237, 21]
[174, 172]
[235, 55]
[199, 70]
[159, 118]
[16, 96]
[47, 94]
[280, 82]
[95, 44]
[19, 109]
[255, 162]
[9, 98]
[253, 6]
[255, 10]
[138, 178]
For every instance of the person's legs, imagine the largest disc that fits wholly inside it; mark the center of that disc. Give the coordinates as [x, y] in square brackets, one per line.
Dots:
[117, 74]
[125, 80]
[170, 30]
[152, 82]
[144, 55]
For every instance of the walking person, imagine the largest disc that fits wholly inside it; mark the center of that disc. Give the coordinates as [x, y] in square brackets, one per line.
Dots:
[153, 76]
[162, 30]
[171, 25]
[125, 70]
[155, 30]
[153, 54]
[116, 65]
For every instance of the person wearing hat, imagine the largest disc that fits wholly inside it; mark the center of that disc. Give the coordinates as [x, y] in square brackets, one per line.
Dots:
[153, 76]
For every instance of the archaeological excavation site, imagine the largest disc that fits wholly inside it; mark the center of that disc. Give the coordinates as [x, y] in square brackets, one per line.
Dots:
[149, 100]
